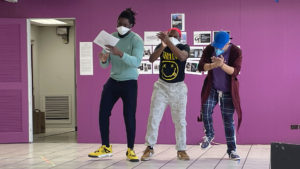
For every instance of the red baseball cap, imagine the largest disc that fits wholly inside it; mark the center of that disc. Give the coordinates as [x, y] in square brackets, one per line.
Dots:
[175, 29]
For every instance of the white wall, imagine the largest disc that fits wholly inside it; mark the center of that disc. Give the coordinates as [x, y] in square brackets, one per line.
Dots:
[55, 68]
[35, 31]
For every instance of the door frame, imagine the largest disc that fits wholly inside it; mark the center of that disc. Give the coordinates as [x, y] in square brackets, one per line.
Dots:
[30, 85]
[29, 75]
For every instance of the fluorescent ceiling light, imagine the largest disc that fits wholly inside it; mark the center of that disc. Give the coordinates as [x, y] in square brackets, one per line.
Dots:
[48, 21]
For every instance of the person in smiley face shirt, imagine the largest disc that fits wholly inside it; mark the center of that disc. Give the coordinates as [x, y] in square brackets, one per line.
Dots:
[169, 89]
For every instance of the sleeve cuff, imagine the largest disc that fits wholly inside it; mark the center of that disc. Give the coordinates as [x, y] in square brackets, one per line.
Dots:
[125, 56]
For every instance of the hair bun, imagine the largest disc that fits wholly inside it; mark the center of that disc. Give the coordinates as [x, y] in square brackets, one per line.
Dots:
[129, 14]
[129, 10]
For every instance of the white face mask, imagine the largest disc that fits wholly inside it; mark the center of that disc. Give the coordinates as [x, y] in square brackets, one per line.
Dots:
[174, 41]
[122, 30]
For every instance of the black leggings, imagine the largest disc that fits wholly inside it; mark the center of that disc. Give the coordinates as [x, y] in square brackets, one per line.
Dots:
[112, 91]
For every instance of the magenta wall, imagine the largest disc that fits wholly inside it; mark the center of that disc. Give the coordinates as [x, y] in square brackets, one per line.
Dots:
[268, 33]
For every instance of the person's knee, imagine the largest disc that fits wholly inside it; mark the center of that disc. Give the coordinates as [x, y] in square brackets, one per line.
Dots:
[179, 122]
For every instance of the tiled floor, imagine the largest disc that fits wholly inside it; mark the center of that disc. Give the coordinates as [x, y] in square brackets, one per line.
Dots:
[56, 135]
[73, 155]
[48, 153]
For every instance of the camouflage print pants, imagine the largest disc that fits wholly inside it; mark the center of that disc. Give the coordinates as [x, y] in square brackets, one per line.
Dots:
[174, 95]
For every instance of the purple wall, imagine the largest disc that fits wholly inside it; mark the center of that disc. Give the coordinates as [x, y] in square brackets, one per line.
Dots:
[268, 33]
[13, 81]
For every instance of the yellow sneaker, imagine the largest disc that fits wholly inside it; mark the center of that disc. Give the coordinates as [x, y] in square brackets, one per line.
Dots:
[102, 152]
[131, 156]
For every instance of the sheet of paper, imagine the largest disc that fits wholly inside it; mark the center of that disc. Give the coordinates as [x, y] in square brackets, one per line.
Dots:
[150, 38]
[202, 37]
[147, 52]
[145, 67]
[86, 58]
[105, 38]
[191, 67]
[156, 67]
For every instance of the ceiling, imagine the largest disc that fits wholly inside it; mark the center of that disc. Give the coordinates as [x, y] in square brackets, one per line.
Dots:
[69, 22]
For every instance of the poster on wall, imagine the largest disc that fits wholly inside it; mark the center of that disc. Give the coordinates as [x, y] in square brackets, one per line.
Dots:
[147, 52]
[86, 58]
[150, 38]
[191, 67]
[145, 67]
[183, 38]
[196, 52]
[215, 32]
[202, 37]
[178, 21]
[156, 67]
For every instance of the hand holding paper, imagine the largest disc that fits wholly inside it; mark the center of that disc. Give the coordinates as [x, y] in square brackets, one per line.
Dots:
[114, 50]
[105, 38]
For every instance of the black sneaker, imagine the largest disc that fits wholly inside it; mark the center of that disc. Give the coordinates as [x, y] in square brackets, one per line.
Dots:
[234, 156]
[206, 142]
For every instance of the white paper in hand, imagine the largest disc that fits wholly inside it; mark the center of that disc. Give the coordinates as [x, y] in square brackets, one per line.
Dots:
[105, 38]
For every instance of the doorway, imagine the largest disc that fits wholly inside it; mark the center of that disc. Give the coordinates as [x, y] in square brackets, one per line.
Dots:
[53, 80]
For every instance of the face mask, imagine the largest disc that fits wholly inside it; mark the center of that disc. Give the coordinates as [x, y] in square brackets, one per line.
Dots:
[174, 41]
[122, 30]
[219, 51]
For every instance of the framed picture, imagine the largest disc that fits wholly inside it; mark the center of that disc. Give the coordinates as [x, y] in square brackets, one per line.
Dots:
[178, 21]
[145, 67]
[191, 67]
[196, 52]
[183, 38]
[215, 32]
[147, 52]
[150, 38]
[156, 67]
[202, 37]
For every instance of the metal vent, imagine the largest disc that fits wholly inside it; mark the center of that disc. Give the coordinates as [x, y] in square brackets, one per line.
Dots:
[57, 107]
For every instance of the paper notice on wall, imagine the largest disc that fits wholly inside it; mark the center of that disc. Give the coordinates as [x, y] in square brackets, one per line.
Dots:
[202, 37]
[191, 67]
[105, 38]
[150, 38]
[86, 58]
[145, 67]
[156, 66]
